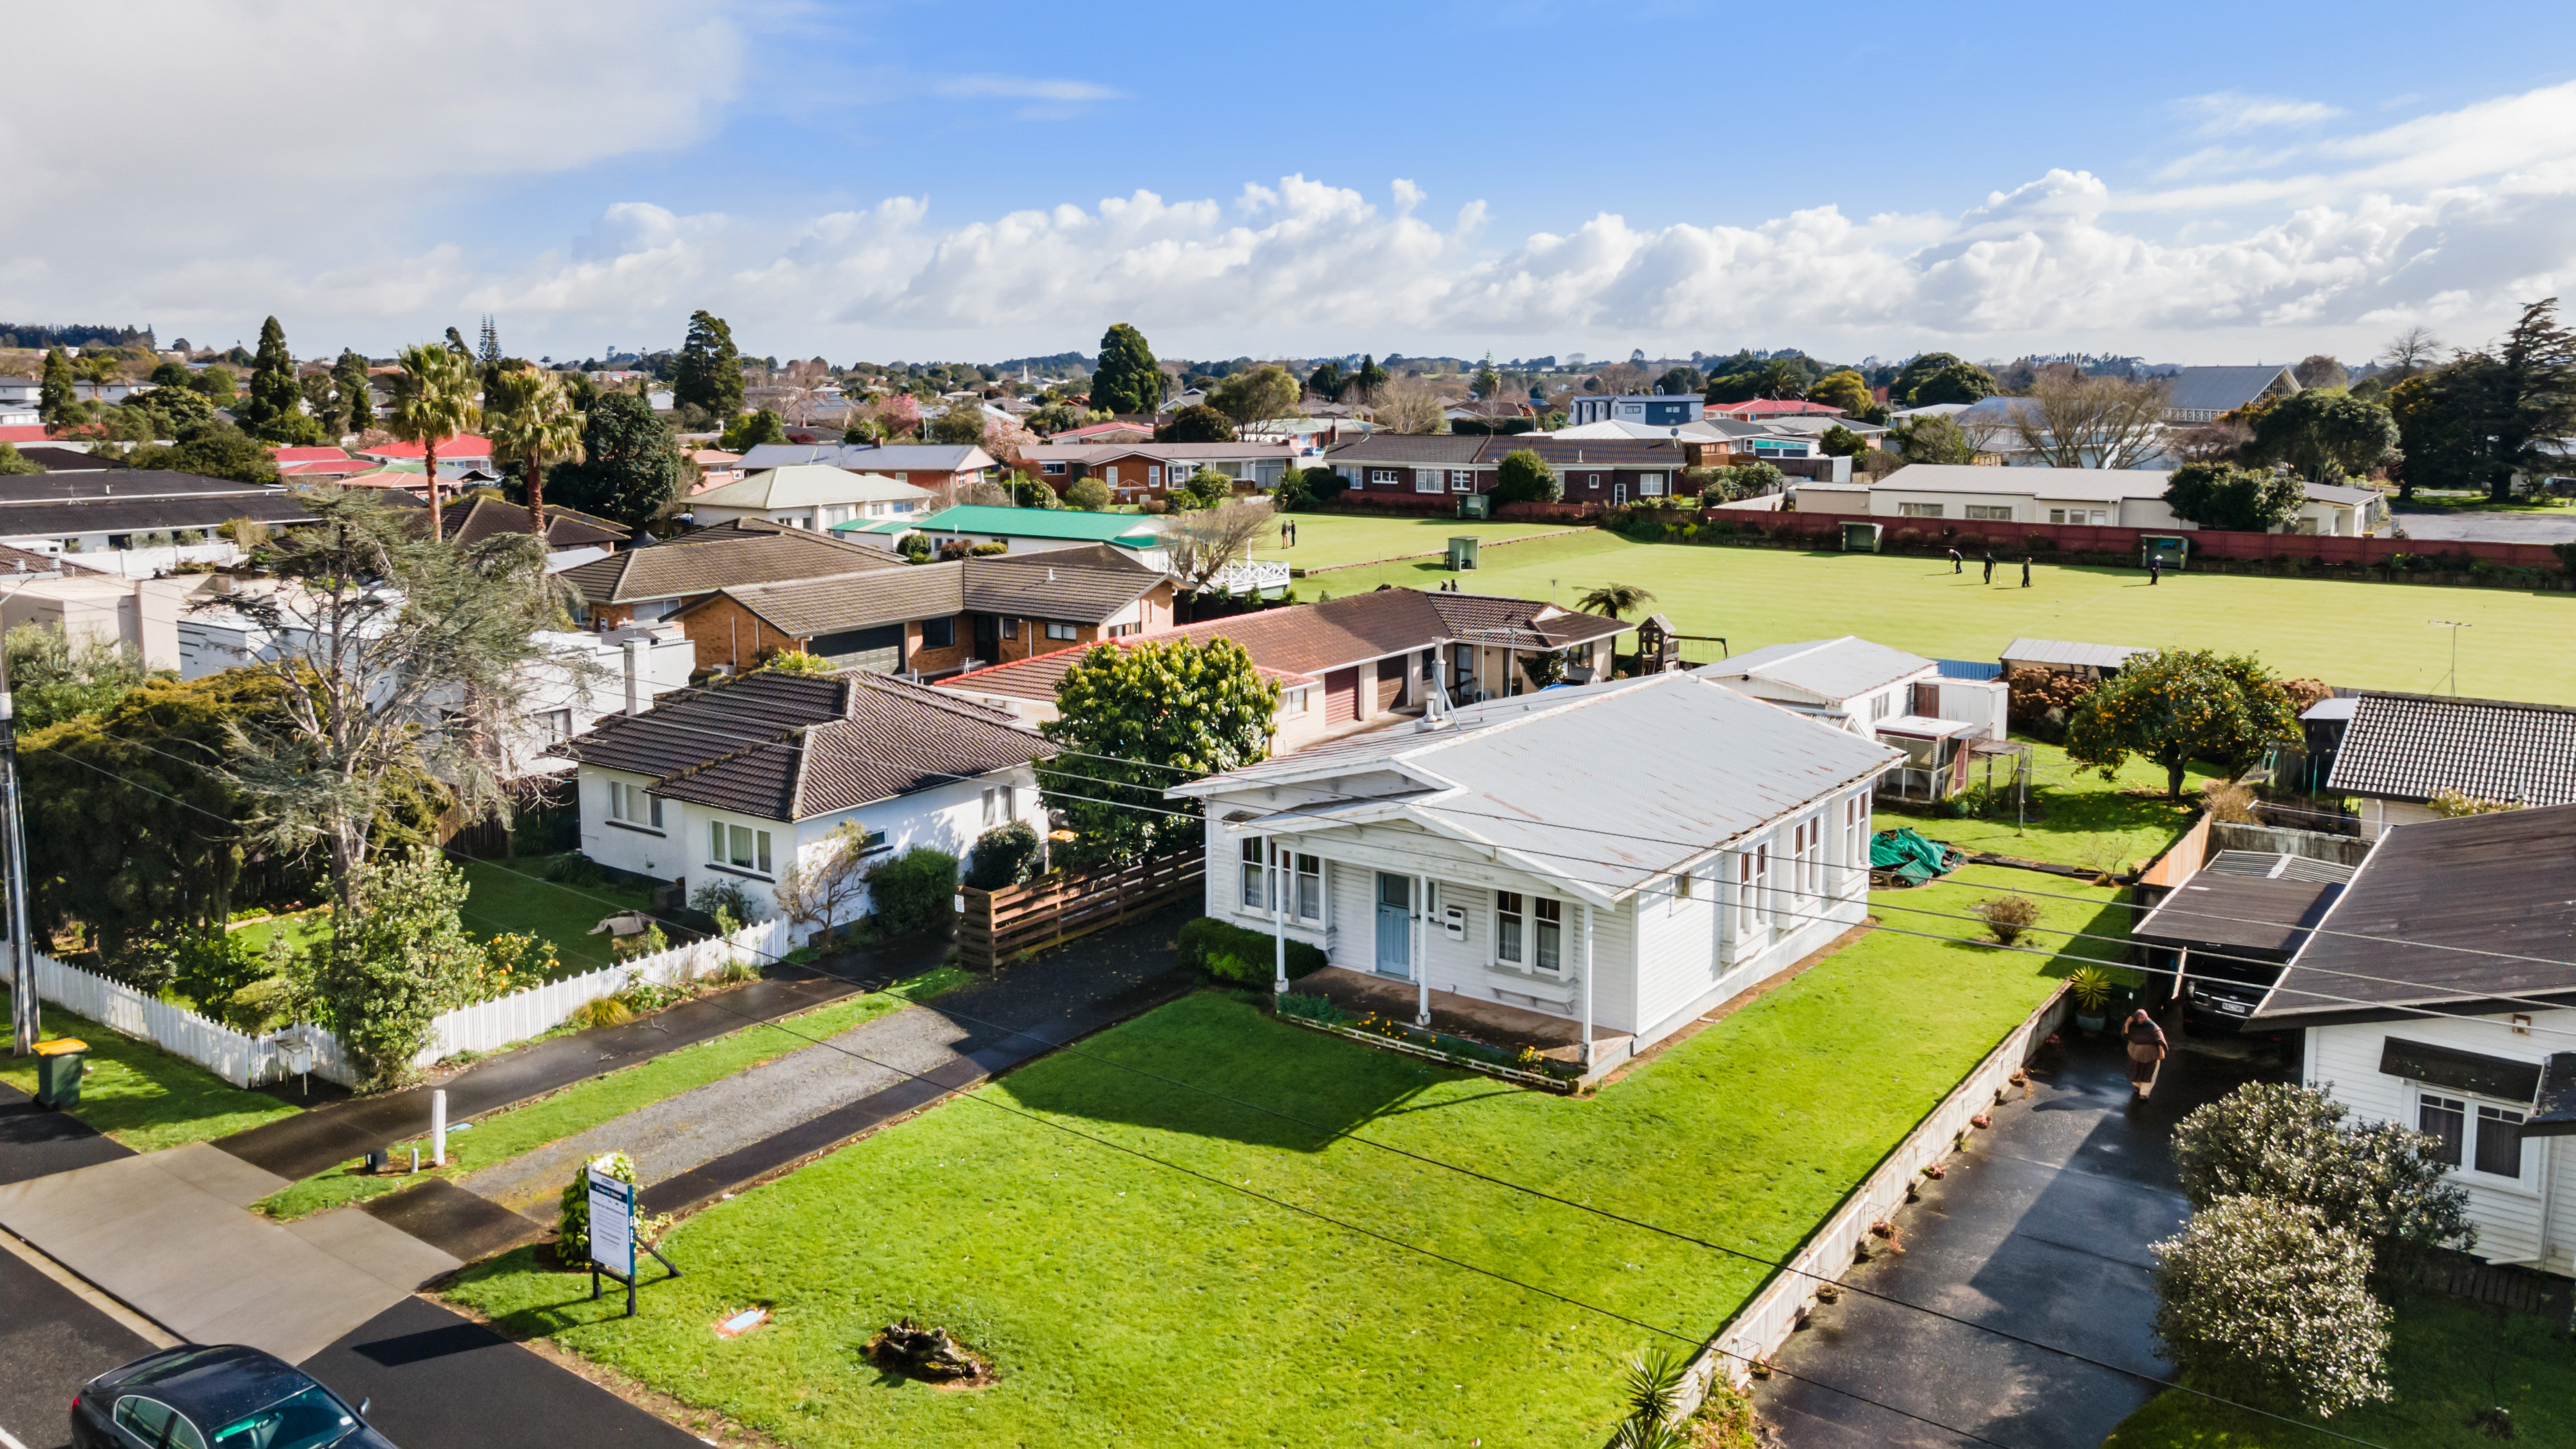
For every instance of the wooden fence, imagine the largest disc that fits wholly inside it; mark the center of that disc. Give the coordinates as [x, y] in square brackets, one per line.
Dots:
[995, 926]
[244, 1061]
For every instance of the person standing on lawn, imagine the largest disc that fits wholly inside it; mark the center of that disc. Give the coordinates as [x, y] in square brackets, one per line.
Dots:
[2147, 1047]
[2025, 571]
[1958, 565]
[2155, 569]
[1990, 566]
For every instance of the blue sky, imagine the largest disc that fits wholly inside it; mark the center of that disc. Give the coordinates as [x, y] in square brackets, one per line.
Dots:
[2201, 183]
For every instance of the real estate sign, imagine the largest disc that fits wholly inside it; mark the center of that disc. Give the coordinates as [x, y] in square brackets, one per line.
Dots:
[612, 1223]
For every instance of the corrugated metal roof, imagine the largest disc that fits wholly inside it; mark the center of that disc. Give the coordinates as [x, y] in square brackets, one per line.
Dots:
[2223, 389]
[1131, 530]
[2445, 911]
[2060, 651]
[2261, 915]
[1832, 670]
[2411, 746]
[1603, 786]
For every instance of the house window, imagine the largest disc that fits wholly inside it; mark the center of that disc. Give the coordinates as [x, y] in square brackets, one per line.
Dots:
[1591, 480]
[1310, 888]
[1256, 872]
[1752, 878]
[1059, 629]
[1295, 701]
[2446, 1120]
[1383, 478]
[1529, 931]
[555, 725]
[2499, 1141]
[633, 805]
[738, 846]
[1426, 480]
[1121, 631]
[939, 633]
[1856, 836]
[1008, 628]
[1462, 480]
[1000, 806]
[1154, 476]
[1918, 510]
[1990, 512]
[1650, 485]
[1050, 467]
[1811, 858]
[1881, 706]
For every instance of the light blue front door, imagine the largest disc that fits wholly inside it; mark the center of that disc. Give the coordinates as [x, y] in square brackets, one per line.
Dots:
[1394, 925]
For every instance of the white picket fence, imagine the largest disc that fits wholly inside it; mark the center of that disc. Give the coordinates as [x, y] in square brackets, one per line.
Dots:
[241, 1060]
[247, 1061]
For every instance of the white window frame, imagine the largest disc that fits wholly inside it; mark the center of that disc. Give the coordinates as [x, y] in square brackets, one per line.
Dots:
[1001, 805]
[1650, 485]
[1856, 836]
[1918, 510]
[1462, 480]
[1752, 888]
[634, 807]
[1306, 872]
[1990, 513]
[1881, 705]
[1426, 480]
[755, 843]
[1062, 630]
[1677, 894]
[1153, 475]
[1252, 893]
[1296, 700]
[554, 724]
[1535, 921]
[1385, 478]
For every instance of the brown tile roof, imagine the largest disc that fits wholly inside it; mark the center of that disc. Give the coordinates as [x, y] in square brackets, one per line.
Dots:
[565, 527]
[804, 608]
[1451, 451]
[1084, 585]
[790, 747]
[1401, 449]
[665, 571]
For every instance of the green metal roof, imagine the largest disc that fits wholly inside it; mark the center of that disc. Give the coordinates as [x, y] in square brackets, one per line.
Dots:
[1131, 529]
[877, 525]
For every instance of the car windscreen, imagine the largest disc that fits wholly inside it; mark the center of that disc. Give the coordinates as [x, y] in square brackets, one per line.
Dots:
[308, 1420]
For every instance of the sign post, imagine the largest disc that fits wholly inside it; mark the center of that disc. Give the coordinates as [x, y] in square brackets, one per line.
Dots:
[612, 1234]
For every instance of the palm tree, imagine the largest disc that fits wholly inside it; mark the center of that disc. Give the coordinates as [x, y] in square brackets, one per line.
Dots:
[436, 403]
[1615, 600]
[533, 423]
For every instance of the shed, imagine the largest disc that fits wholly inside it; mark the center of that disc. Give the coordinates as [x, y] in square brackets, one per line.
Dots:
[1859, 537]
[1462, 552]
[2093, 661]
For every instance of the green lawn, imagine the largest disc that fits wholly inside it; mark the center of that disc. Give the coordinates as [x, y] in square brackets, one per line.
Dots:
[2349, 633]
[141, 1095]
[506, 1134]
[2076, 818]
[1328, 540]
[1128, 1303]
[514, 895]
[2450, 1360]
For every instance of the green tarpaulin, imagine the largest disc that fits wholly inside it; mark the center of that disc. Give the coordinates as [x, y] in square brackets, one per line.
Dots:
[1910, 856]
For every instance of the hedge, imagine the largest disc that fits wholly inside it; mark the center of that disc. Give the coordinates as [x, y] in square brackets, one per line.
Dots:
[1231, 953]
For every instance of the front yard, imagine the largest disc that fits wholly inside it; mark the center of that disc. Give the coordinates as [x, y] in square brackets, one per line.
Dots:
[1123, 1301]
[2452, 1359]
[141, 1095]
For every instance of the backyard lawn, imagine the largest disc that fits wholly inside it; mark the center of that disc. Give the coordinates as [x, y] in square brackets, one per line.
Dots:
[2451, 1359]
[141, 1095]
[506, 895]
[1330, 540]
[1125, 1302]
[2348, 633]
[506, 1134]
[2076, 818]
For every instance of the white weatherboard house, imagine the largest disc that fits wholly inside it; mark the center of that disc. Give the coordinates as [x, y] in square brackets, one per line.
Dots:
[1624, 855]
[2440, 992]
[739, 783]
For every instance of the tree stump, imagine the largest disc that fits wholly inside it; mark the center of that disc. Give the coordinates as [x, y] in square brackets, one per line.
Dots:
[924, 1352]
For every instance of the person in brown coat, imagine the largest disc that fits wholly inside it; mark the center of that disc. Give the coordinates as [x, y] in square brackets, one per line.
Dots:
[2147, 1048]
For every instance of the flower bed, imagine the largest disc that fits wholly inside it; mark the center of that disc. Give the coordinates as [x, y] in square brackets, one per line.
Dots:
[1525, 1066]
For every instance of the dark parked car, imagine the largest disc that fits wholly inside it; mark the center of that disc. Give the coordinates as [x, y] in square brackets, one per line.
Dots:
[220, 1397]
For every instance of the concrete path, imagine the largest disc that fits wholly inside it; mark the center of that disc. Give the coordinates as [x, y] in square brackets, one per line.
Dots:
[170, 1235]
[2041, 1229]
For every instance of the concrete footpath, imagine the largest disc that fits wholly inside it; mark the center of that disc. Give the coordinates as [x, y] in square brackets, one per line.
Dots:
[2040, 1229]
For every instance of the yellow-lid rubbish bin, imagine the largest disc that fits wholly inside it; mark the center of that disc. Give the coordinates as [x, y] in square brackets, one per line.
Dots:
[59, 1065]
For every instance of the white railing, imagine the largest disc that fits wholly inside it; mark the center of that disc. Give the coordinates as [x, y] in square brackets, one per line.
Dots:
[241, 1060]
[1763, 1326]
[143, 563]
[1248, 576]
[248, 1061]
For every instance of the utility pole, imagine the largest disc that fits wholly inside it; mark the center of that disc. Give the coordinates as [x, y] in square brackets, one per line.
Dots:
[2455, 629]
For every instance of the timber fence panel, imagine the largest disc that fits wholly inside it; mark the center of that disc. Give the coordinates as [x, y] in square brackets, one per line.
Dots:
[489, 1025]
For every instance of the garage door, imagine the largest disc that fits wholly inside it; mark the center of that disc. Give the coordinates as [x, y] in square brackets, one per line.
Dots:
[880, 649]
[1341, 696]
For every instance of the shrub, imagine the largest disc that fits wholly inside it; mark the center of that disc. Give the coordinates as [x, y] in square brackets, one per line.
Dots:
[572, 1210]
[727, 903]
[651, 943]
[2263, 1301]
[576, 869]
[2039, 701]
[261, 1007]
[1525, 477]
[602, 1011]
[988, 549]
[1228, 952]
[794, 661]
[2379, 1181]
[2228, 800]
[1091, 495]
[1003, 856]
[914, 892]
[2007, 918]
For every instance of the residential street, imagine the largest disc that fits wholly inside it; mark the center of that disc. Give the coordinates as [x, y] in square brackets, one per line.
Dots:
[2040, 1229]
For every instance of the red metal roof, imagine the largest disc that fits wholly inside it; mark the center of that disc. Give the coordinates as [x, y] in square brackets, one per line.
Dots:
[463, 445]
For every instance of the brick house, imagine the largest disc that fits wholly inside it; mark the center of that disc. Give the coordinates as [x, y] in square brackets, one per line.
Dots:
[1594, 470]
[639, 585]
[935, 619]
[1138, 472]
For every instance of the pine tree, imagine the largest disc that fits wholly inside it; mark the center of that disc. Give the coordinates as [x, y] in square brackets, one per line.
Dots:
[488, 352]
[357, 407]
[710, 371]
[1371, 378]
[58, 397]
[275, 411]
[1128, 379]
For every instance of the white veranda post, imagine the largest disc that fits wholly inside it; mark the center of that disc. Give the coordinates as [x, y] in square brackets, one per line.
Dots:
[1278, 921]
[1587, 986]
[1421, 937]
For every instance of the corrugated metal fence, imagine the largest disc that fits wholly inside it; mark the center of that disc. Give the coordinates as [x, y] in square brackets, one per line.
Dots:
[248, 1061]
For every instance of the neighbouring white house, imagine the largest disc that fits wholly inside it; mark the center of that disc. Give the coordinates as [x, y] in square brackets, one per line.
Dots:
[2396, 752]
[2440, 992]
[1944, 724]
[1623, 855]
[811, 496]
[145, 615]
[741, 782]
[1971, 497]
[583, 678]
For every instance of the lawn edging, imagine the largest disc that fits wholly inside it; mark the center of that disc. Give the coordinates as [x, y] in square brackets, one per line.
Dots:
[1763, 1325]
[1544, 1081]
